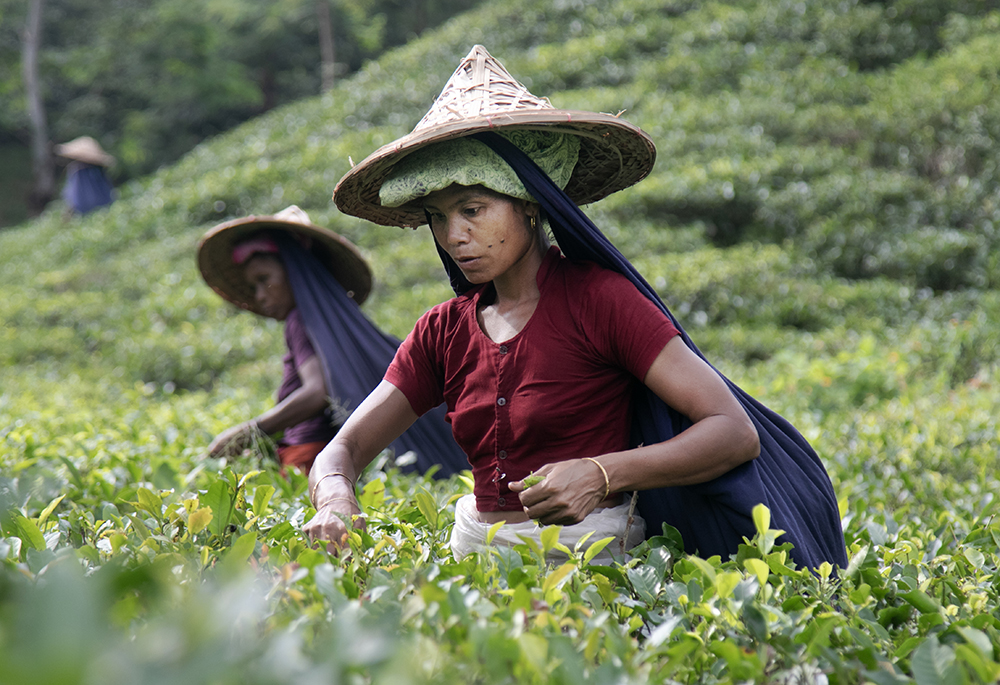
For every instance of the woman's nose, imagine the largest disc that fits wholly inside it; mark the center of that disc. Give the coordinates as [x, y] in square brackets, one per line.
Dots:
[457, 232]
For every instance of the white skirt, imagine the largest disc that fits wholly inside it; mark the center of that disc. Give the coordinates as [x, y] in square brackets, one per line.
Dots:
[469, 533]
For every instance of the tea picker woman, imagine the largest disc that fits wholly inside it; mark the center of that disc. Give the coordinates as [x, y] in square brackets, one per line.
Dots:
[285, 267]
[87, 185]
[559, 361]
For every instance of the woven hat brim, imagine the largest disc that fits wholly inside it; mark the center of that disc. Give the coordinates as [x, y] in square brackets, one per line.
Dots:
[85, 154]
[337, 254]
[614, 155]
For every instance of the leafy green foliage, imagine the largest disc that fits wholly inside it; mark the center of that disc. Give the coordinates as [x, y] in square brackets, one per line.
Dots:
[821, 220]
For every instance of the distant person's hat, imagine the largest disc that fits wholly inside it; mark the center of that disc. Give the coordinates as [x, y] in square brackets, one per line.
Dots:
[85, 149]
[225, 248]
[482, 96]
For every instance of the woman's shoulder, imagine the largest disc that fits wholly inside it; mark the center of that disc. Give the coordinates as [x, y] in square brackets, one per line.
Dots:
[449, 312]
[588, 279]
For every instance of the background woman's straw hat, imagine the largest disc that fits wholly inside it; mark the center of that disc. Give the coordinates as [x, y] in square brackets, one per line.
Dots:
[85, 149]
[340, 257]
[482, 96]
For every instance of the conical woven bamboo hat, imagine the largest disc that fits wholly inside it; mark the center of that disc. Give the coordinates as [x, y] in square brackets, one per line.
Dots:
[340, 257]
[85, 149]
[482, 96]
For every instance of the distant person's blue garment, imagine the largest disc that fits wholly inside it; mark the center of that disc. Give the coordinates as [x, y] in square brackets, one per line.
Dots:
[87, 187]
[712, 517]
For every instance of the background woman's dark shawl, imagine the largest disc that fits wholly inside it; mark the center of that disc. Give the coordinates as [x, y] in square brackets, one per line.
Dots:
[355, 354]
[715, 516]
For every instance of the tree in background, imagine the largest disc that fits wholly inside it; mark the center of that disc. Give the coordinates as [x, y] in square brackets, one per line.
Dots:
[150, 79]
[327, 46]
[43, 182]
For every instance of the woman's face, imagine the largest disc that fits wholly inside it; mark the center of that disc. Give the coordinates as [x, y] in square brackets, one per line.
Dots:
[266, 275]
[484, 232]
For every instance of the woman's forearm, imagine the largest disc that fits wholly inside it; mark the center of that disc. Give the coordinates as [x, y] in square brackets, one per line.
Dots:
[710, 448]
[381, 418]
[305, 402]
[302, 404]
[720, 438]
[570, 490]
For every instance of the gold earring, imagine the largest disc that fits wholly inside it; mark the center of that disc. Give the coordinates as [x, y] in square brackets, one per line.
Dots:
[532, 222]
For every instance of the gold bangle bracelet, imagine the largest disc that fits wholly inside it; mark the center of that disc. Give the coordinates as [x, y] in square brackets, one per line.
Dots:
[607, 481]
[339, 499]
[312, 495]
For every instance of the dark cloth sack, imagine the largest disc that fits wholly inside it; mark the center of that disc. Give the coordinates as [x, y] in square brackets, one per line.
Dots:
[355, 354]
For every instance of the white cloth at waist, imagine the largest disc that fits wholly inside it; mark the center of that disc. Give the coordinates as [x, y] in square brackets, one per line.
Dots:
[469, 533]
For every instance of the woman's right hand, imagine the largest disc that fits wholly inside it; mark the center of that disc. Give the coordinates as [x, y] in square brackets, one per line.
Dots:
[232, 441]
[328, 526]
[380, 419]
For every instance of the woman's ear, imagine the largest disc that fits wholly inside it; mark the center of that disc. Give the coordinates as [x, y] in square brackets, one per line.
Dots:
[533, 213]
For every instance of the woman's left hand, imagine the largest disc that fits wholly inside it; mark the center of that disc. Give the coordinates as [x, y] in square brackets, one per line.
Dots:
[571, 490]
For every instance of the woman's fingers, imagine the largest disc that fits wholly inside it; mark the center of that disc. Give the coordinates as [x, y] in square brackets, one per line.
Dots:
[328, 526]
[232, 440]
[564, 496]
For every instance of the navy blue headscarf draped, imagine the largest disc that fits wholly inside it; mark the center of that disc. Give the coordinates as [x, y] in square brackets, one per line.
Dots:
[355, 354]
[715, 516]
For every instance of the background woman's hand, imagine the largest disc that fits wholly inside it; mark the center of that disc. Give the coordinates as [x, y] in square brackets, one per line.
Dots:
[233, 440]
[571, 490]
[328, 526]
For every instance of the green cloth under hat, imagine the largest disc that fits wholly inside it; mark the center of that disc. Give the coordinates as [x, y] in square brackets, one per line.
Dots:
[468, 162]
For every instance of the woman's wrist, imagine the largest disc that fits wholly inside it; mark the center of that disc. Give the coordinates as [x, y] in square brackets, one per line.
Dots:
[330, 500]
[330, 483]
[604, 475]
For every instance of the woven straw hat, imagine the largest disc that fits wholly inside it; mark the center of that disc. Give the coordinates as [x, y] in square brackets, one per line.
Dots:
[85, 149]
[340, 257]
[482, 96]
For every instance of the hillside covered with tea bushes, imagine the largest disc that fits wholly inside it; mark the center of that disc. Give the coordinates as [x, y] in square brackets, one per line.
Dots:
[824, 220]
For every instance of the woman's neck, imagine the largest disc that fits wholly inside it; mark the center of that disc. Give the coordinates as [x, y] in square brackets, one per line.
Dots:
[519, 284]
[516, 297]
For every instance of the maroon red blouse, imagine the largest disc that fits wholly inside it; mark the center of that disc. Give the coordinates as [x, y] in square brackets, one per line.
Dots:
[560, 389]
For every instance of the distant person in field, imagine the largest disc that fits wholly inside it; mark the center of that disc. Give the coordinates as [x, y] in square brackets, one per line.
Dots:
[87, 184]
[559, 362]
[286, 268]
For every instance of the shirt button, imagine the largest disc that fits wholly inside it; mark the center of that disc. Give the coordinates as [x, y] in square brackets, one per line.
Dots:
[502, 454]
[501, 501]
[503, 349]
[501, 401]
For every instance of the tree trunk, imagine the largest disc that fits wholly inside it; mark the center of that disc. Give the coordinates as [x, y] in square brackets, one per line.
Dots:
[327, 68]
[269, 89]
[419, 16]
[43, 168]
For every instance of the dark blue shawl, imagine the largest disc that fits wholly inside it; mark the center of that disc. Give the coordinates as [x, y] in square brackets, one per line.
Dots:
[715, 516]
[87, 187]
[355, 354]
